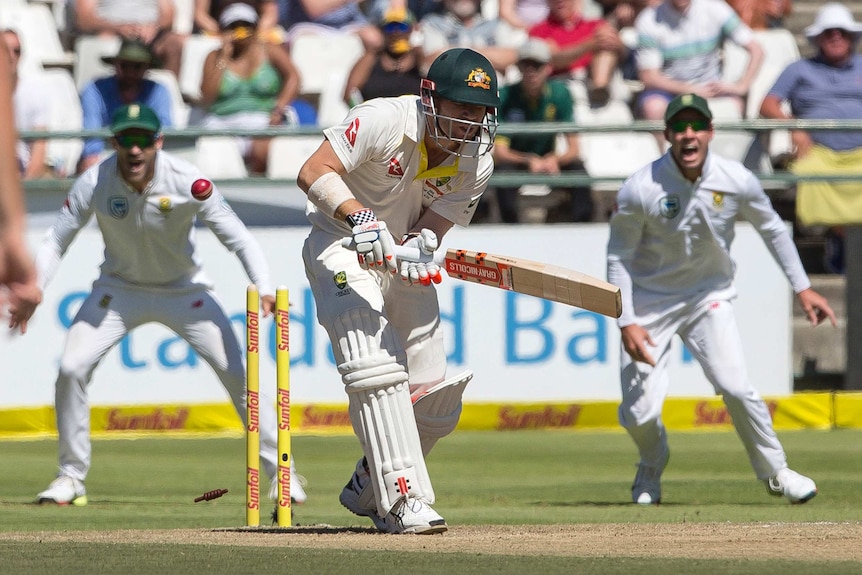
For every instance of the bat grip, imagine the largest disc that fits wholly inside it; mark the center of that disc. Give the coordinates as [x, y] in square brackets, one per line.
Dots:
[409, 254]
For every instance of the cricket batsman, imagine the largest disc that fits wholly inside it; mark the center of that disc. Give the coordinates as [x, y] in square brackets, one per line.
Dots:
[397, 170]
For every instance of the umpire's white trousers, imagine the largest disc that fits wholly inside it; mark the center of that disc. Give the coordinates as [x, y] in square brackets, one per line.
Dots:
[106, 316]
[710, 332]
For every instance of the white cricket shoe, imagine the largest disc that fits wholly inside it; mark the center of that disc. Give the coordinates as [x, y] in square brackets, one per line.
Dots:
[646, 488]
[795, 487]
[352, 496]
[64, 491]
[413, 515]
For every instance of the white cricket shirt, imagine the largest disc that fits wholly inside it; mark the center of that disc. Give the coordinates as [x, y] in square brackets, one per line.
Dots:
[670, 238]
[150, 236]
[380, 145]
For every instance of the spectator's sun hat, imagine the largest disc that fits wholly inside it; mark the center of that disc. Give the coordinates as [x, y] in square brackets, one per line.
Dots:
[687, 102]
[135, 116]
[833, 15]
[534, 50]
[238, 13]
[132, 50]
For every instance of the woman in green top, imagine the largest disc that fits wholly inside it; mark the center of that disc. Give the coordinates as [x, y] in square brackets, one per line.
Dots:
[247, 83]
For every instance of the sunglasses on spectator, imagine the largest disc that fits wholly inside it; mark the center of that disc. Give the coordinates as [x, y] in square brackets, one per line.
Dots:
[143, 141]
[833, 31]
[530, 64]
[680, 126]
[396, 28]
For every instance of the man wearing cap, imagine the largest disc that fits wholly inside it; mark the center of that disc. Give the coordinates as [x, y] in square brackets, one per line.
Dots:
[537, 99]
[104, 96]
[669, 252]
[825, 86]
[142, 200]
[397, 170]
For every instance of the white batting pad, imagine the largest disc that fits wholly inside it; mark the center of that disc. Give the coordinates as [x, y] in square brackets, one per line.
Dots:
[438, 408]
[383, 419]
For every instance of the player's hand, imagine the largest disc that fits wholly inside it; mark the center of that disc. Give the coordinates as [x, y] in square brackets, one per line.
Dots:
[22, 301]
[420, 273]
[816, 307]
[636, 341]
[375, 247]
[267, 305]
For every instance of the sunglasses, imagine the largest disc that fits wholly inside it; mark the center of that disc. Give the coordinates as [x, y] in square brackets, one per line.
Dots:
[143, 141]
[126, 65]
[396, 28]
[680, 126]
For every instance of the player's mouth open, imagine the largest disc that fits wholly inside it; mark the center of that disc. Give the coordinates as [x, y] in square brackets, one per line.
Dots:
[688, 152]
[136, 166]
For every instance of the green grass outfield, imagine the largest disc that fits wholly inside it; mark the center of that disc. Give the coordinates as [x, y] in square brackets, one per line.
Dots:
[481, 478]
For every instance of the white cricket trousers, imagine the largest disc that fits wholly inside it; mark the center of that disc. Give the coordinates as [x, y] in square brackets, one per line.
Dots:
[106, 316]
[710, 332]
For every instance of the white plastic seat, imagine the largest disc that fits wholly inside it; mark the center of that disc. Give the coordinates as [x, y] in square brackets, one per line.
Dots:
[184, 16]
[195, 50]
[220, 157]
[89, 51]
[179, 109]
[287, 154]
[317, 56]
[66, 116]
[617, 154]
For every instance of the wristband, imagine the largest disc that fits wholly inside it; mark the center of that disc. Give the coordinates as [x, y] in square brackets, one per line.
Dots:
[409, 236]
[328, 192]
[360, 217]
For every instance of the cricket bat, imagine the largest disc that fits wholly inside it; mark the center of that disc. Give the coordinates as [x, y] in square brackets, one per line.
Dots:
[523, 276]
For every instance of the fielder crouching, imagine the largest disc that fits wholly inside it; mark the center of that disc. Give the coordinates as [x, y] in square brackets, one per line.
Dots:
[407, 168]
[145, 202]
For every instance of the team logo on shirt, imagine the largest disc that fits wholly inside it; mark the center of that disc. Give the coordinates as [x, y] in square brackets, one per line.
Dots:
[717, 200]
[165, 205]
[669, 206]
[118, 207]
[432, 189]
[340, 279]
[478, 78]
[351, 132]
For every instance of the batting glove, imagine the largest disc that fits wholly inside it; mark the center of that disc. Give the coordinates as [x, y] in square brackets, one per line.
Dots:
[420, 273]
[374, 245]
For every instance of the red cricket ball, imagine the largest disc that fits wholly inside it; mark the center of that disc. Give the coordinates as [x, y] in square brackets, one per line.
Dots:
[202, 189]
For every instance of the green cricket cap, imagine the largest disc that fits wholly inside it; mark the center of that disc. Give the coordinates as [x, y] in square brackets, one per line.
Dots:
[135, 116]
[133, 50]
[687, 102]
[466, 76]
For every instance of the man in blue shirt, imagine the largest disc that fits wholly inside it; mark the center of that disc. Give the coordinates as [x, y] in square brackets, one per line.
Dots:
[101, 98]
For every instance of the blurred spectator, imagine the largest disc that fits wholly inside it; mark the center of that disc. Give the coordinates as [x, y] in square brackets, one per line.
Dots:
[247, 83]
[462, 25]
[762, 14]
[680, 51]
[419, 8]
[328, 16]
[523, 14]
[537, 99]
[622, 13]
[32, 114]
[104, 96]
[825, 87]
[394, 71]
[207, 13]
[581, 47]
[150, 21]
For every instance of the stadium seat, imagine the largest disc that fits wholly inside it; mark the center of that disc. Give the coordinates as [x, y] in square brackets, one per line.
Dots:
[89, 51]
[318, 56]
[219, 157]
[288, 153]
[66, 116]
[195, 51]
[39, 36]
[184, 16]
[179, 109]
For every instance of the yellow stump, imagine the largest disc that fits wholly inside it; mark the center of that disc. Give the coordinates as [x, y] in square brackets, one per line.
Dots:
[282, 366]
[252, 437]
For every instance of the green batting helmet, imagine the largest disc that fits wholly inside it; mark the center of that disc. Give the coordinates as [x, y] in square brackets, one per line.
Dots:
[466, 76]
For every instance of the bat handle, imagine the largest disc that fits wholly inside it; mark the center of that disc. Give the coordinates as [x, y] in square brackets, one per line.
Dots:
[408, 253]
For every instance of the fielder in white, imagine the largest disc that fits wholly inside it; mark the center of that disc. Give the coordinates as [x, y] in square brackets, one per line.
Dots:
[142, 201]
[400, 169]
[669, 252]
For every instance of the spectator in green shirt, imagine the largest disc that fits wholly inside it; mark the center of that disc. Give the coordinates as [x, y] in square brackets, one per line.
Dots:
[536, 98]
